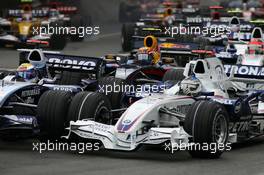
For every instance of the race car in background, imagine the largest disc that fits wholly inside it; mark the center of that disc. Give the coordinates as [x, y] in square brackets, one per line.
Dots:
[131, 11]
[154, 23]
[164, 23]
[245, 52]
[26, 24]
[70, 14]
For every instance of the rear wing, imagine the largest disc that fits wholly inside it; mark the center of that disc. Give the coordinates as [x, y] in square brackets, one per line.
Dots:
[178, 48]
[57, 61]
[36, 13]
[245, 73]
[167, 44]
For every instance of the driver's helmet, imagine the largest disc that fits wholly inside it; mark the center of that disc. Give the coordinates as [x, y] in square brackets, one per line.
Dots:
[149, 54]
[255, 47]
[27, 16]
[191, 86]
[27, 72]
[169, 18]
[143, 56]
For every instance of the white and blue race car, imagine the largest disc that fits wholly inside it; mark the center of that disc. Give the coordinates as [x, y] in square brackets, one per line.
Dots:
[205, 108]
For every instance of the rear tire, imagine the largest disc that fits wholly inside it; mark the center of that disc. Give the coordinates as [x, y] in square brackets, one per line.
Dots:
[52, 112]
[127, 33]
[201, 122]
[71, 78]
[115, 98]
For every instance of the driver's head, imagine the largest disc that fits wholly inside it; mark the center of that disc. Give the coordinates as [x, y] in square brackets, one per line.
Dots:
[150, 52]
[191, 86]
[27, 72]
[27, 16]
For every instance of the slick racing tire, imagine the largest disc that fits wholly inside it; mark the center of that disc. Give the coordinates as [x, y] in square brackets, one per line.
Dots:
[207, 123]
[126, 36]
[128, 13]
[173, 75]
[52, 112]
[115, 98]
[71, 78]
[90, 105]
[122, 12]
[77, 22]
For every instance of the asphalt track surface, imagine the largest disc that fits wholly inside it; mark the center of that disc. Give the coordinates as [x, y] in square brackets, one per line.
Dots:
[19, 157]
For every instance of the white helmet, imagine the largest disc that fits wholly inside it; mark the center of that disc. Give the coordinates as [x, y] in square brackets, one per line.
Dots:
[191, 86]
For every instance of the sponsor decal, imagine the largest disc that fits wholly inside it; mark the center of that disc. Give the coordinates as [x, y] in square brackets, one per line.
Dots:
[32, 92]
[175, 46]
[239, 127]
[27, 120]
[245, 70]
[72, 63]
[127, 122]
[67, 89]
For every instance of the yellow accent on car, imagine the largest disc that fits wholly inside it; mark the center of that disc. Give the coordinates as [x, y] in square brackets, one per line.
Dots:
[167, 45]
[151, 29]
[24, 28]
[151, 42]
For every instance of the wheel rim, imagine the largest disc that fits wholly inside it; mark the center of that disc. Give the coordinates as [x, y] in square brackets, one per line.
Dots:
[220, 129]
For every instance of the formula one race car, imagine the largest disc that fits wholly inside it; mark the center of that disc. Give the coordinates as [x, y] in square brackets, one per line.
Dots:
[205, 108]
[18, 31]
[131, 11]
[245, 53]
[69, 14]
[27, 24]
[25, 97]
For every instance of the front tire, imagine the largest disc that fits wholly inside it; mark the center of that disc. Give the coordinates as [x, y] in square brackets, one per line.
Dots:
[52, 112]
[90, 105]
[207, 123]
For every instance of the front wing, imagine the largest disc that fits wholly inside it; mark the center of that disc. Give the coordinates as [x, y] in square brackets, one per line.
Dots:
[112, 139]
